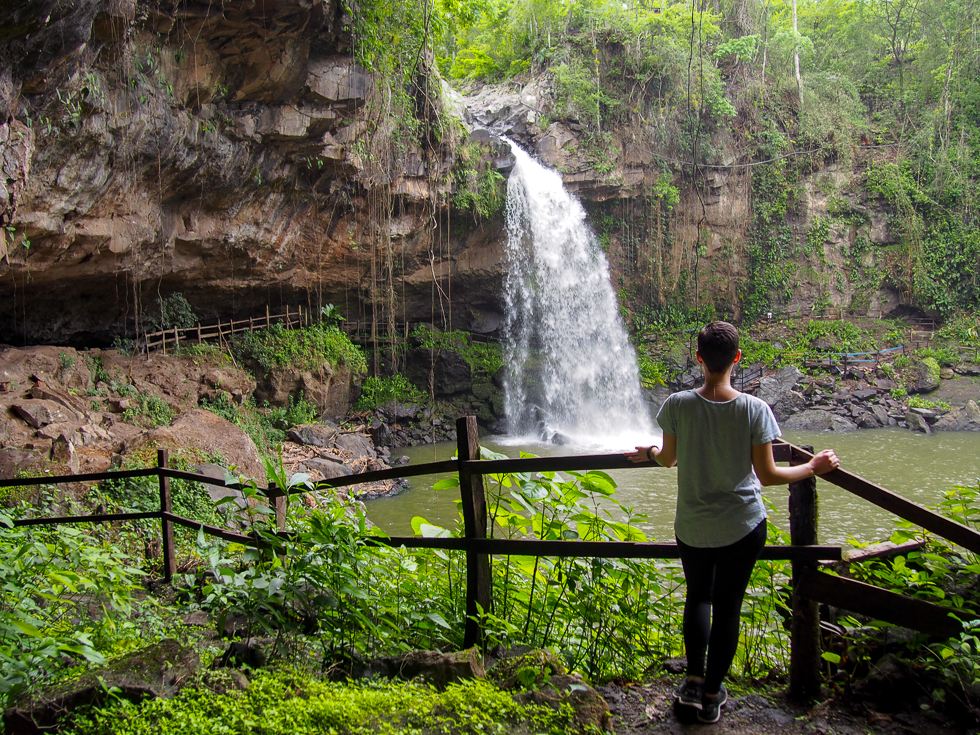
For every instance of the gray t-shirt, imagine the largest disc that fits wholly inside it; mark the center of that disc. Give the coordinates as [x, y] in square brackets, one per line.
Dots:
[719, 497]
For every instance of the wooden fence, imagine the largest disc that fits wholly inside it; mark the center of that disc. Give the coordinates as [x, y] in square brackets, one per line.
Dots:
[810, 585]
[363, 332]
[222, 331]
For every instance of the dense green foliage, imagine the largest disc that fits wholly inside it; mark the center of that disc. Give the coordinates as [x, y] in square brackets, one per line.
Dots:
[379, 391]
[266, 426]
[326, 596]
[300, 704]
[47, 580]
[309, 348]
[484, 358]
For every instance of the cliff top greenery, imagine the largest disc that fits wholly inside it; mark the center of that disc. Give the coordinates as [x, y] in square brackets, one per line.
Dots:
[889, 88]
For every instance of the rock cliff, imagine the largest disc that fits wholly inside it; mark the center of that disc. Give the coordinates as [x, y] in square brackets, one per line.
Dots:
[214, 150]
[231, 153]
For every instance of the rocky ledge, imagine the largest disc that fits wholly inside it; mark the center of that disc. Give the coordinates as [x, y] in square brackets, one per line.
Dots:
[861, 398]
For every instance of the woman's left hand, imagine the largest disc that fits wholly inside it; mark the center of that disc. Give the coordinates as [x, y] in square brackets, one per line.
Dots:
[639, 456]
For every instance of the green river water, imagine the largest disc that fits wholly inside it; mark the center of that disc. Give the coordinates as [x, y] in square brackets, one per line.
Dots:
[916, 466]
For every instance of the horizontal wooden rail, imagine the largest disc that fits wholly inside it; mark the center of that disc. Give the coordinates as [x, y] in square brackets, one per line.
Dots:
[90, 477]
[874, 602]
[432, 468]
[902, 507]
[212, 530]
[591, 549]
[584, 462]
[99, 518]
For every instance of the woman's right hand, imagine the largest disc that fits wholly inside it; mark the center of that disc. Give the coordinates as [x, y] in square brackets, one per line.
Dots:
[824, 462]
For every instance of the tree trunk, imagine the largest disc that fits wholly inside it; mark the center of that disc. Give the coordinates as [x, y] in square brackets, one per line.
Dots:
[796, 56]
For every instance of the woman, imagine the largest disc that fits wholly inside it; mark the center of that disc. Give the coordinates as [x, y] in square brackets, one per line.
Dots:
[721, 441]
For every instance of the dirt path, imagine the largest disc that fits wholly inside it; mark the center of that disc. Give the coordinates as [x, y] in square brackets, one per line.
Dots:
[649, 710]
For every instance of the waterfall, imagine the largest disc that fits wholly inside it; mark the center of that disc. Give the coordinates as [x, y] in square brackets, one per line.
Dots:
[571, 371]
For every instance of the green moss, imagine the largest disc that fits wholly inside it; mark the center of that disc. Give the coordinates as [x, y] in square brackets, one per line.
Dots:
[930, 369]
[295, 703]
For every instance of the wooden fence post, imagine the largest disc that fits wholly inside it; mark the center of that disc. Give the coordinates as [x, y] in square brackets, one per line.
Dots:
[804, 665]
[167, 527]
[478, 583]
[277, 498]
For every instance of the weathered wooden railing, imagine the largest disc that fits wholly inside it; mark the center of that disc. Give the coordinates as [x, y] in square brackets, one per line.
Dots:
[810, 586]
[298, 317]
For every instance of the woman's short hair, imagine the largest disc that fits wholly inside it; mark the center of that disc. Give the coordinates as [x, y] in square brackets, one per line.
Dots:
[718, 345]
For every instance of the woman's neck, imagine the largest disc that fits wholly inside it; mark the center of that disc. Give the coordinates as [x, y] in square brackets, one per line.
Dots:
[718, 387]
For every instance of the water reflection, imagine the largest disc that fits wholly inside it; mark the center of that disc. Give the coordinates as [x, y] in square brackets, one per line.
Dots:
[916, 466]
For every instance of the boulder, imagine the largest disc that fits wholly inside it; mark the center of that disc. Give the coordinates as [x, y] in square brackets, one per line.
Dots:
[881, 413]
[254, 653]
[688, 379]
[315, 435]
[13, 460]
[156, 671]
[916, 422]
[356, 444]
[438, 669]
[338, 79]
[328, 470]
[967, 368]
[450, 372]
[393, 411]
[208, 433]
[817, 420]
[330, 389]
[926, 376]
[63, 452]
[42, 412]
[772, 388]
[788, 404]
[590, 711]
[960, 419]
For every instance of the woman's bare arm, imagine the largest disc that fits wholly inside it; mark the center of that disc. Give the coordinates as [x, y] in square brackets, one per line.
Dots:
[769, 474]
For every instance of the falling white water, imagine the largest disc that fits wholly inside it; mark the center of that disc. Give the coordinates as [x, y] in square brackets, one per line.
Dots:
[571, 371]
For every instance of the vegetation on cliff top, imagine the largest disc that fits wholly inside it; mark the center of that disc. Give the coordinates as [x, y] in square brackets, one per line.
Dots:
[889, 88]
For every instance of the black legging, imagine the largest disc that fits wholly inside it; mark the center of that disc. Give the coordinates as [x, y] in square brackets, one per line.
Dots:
[716, 582]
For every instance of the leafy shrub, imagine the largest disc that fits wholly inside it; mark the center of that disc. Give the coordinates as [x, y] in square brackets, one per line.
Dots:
[918, 402]
[149, 412]
[652, 373]
[175, 312]
[845, 336]
[47, 580]
[297, 412]
[945, 356]
[379, 391]
[308, 348]
[483, 358]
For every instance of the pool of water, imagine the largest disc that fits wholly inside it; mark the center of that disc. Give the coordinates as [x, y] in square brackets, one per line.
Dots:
[917, 466]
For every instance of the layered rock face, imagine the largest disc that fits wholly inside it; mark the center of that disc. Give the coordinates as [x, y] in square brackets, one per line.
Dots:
[212, 149]
[229, 151]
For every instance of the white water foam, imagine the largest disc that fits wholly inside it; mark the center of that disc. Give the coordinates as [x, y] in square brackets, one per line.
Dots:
[571, 371]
